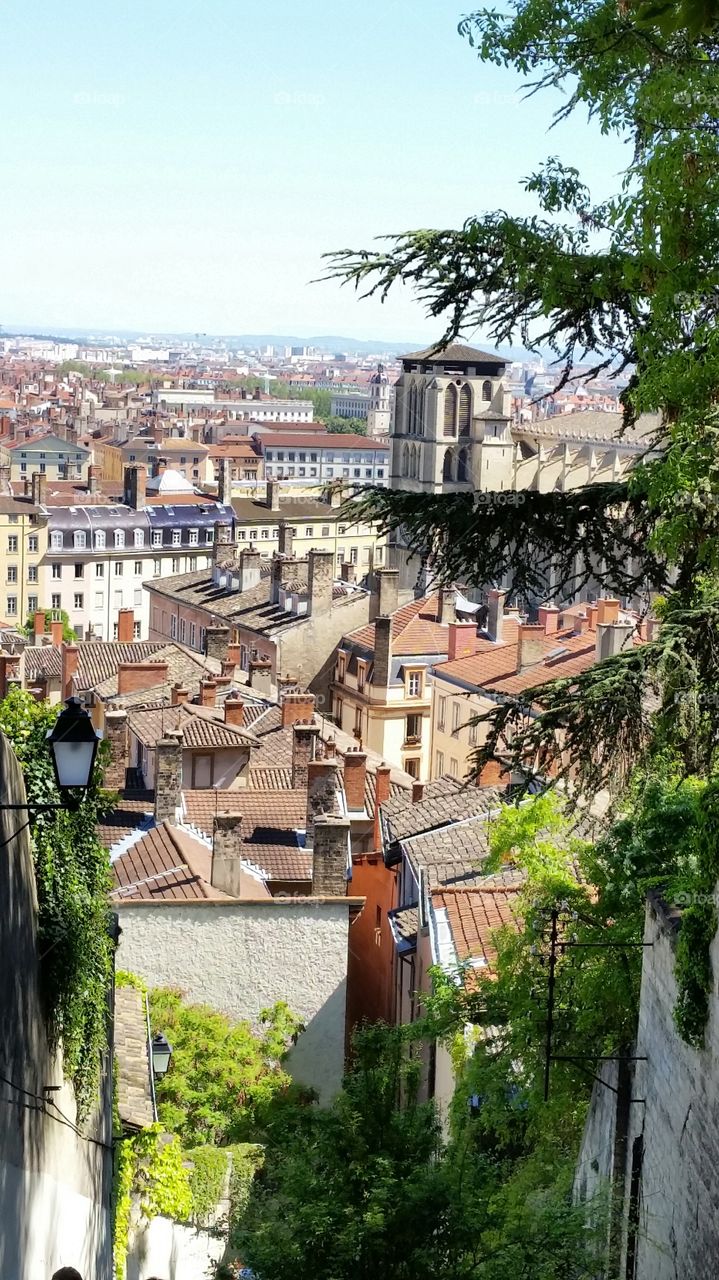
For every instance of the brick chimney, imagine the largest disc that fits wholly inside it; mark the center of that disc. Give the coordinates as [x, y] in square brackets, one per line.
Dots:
[447, 610]
[168, 777]
[272, 499]
[216, 642]
[592, 611]
[330, 857]
[9, 672]
[260, 673]
[235, 712]
[383, 790]
[249, 570]
[135, 488]
[319, 583]
[305, 736]
[612, 638]
[462, 640]
[607, 611]
[226, 874]
[286, 538]
[549, 618]
[322, 788]
[579, 622]
[417, 792]
[385, 593]
[70, 659]
[208, 691]
[234, 654]
[38, 623]
[133, 677]
[56, 629]
[178, 695]
[530, 647]
[116, 738]
[297, 706]
[355, 776]
[495, 615]
[92, 485]
[39, 489]
[224, 485]
[382, 652]
[126, 626]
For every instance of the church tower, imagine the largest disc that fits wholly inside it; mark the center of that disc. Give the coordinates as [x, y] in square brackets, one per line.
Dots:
[452, 423]
[380, 399]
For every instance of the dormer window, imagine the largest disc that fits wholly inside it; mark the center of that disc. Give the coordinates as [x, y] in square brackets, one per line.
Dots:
[100, 539]
[176, 537]
[119, 537]
[79, 539]
[139, 538]
[194, 537]
[413, 684]
[56, 540]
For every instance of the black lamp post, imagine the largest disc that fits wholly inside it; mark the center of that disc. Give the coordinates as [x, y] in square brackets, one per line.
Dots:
[161, 1055]
[73, 744]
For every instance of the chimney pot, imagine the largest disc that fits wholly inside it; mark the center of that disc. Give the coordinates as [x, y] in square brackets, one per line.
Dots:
[530, 647]
[178, 695]
[355, 777]
[461, 640]
[549, 618]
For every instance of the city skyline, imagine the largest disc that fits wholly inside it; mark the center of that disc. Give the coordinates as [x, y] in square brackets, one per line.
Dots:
[186, 173]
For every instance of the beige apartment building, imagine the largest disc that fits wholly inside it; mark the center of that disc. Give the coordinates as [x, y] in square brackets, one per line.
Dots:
[23, 543]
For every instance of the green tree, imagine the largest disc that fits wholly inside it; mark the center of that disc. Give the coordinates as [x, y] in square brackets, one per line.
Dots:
[52, 615]
[225, 1077]
[350, 426]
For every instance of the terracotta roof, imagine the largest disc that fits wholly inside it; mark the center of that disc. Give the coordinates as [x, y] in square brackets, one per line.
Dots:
[98, 660]
[42, 658]
[495, 668]
[165, 863]
[475, 914]
[271, 821]
[131, 1049]
[182, 665]
[404, 923]
[124, 820]
[270, 779]
[198, 728]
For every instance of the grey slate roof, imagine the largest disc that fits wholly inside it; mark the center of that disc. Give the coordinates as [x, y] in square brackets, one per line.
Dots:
[455, 353]
[445, 802]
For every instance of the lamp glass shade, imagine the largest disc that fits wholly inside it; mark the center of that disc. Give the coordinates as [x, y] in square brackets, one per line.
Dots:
[73, 745]
[161, 1054]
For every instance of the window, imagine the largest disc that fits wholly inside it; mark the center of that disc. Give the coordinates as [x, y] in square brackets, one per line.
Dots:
[209, 535]
[99, 571]
[78, 600]
[264, 533]
[380, 472]
[32, 573]
[100, 539]
[411, 766]
[79, 570]
[79, 539]
[138, 568]
[361, 675]
[414, 684]
[12, 573]
[439, 764]
[191, 564]
[441, 713]
[56, 540]
[358, 722]
[325, 531]
[473, 734]
[139, 538]
[173, 627]
[12, 543]
[32, 542]
[54, 602]
[455, 719]
[156, 568]
[99, 599]
[119, 537]
[341, 667]
[203, 637]
[309, 531]
[32, 603]
[176, 537]
[193, 634]
[194, 537]
[453, 768]
[157, 537]
[338, 711]
[175, 564]
[119, 568]
[57, 571]
[183, 630]
[253, 534]
[413, 729]
[11, 606]
[353, 555]
[137, 597]
[183, 460]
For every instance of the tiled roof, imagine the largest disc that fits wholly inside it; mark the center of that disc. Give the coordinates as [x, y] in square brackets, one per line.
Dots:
[323, 440]
[475, 914]
[134, 1090]
[452, 854]
[165, 863]
[269, 779]
[495, 667]
[271, 821]
[43, 658]
[448, 803]
[252, 511]
[593, 424]
[455, 353]
[404, 923]
[98, 660]
[183, 666]
[124, 820]
[199, 729]
[251, 609]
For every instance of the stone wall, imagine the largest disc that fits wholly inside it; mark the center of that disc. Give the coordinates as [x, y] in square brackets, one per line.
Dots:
[242, 957]
[54, 1185]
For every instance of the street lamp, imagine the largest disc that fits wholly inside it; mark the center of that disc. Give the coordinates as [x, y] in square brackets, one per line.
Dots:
[73, 745]
[161, 1054]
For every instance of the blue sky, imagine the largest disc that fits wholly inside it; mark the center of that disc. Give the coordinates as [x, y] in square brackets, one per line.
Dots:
[182, 166]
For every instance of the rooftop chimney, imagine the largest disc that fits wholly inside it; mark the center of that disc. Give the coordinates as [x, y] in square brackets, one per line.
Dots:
[92, 485]
[226, 874]
[382, 652]
[297, 706]
[447, 611]
[116, 738]
[272, 499]
[178, 695]
[234, 712]
[39, 489]
[607, 611]
[530, 646]
[56, 630]
[39, 625]
[224, 487]
[495, 618]
[70, 658]
[319, 583]
[168, 777]
[579, 622]
[383, 791]
[355, 777]
[322, 788]
[208, 689]
[216, 642]
[260, 673]
[462, 640]
[348, 572]
[385, 593]
[133, 677]
[135, 488]
[304, 746]
[612, 638]
[330, 857]
[549, 618]
[249, 569]
[286, 538]
[417, 792]
[126, 626]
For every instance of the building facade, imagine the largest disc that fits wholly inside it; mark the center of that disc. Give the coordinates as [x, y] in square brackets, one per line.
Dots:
[48, 455]
[299, 458]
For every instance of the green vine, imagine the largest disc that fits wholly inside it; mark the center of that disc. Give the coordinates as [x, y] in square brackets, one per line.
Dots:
[73, 880]
[693, 967]
[149, 1169]
[208, 1175]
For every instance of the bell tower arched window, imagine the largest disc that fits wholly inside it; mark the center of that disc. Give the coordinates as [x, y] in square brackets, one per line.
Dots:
[463, 465]
[405, 460]
[450, 411]
[487, 390]
[447, 465]
[465, 410]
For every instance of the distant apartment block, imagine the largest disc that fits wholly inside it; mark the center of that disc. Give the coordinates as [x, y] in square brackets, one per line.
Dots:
[49, 455]
[299, 457]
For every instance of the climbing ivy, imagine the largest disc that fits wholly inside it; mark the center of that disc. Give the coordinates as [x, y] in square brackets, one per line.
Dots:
[73, 881]
[150, 1171]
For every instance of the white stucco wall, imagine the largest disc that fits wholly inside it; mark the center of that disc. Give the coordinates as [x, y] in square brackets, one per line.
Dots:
[165, 1248]
[243, 957]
